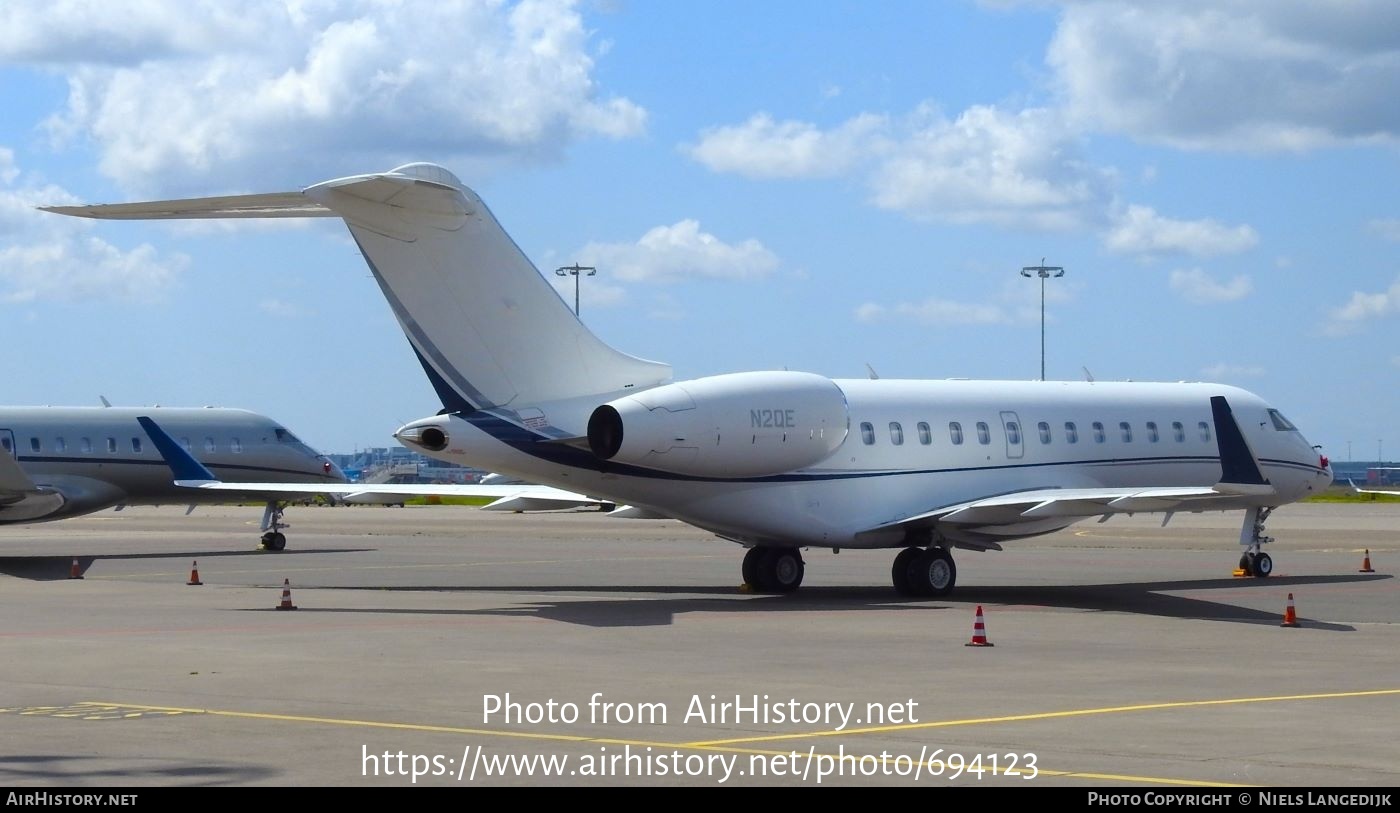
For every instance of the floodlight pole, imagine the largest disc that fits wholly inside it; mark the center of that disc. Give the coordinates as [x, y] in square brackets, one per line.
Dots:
[574, 270]
[1044, 272]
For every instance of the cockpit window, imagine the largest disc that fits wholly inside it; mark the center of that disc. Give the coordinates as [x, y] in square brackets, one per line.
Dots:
[283, 436]
[1281, 423]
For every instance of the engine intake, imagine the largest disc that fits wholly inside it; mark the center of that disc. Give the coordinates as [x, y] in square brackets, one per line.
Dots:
[728, 426]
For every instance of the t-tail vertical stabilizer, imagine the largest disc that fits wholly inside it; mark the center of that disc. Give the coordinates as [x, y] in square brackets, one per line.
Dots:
[488, 328]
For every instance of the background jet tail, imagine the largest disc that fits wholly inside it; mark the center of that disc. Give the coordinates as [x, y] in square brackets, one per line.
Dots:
[487, 327]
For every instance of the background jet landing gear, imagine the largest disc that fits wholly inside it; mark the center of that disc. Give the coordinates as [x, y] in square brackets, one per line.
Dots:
[924, 572]
[272, 524]
[1254, 561]
[773, 570]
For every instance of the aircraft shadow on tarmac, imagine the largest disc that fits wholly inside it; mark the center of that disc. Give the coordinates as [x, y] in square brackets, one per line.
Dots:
[47, 770]
[1139, 598]
[54, 568]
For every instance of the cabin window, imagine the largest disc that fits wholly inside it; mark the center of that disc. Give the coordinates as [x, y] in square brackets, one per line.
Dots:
[1152, 432]
[1013, 433]
[136, 445]
[984, 433]
[896, 433]
[60, 445]
[1071, 432]
[1178, 432]
[1281, 423]
[111, 445]
[1205, 431]
[925, 434]
[85, 445]
[1127, 430]
[236, 445]
[1044, 431]
[867, 433]
[208, 444]
[1098, 432]
[34, 444]
[954, 433]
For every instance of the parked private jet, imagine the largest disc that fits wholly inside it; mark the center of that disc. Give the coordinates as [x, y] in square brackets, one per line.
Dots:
[776, 461]
[62, 462]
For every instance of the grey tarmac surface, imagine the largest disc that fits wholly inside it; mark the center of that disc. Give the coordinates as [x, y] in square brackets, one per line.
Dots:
[1125, 656]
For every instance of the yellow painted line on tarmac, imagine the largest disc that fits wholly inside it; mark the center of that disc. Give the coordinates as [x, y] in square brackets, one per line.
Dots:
[1048, 715]
[712, 747]
[434, 729]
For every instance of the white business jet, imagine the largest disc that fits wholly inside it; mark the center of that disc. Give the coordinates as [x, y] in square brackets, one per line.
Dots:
[776, 461]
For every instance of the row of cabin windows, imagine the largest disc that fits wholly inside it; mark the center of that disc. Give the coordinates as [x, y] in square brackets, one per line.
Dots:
[85, 445]
[1013, 432]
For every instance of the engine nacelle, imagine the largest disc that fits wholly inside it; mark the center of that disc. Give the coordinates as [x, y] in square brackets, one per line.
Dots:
[737, 425]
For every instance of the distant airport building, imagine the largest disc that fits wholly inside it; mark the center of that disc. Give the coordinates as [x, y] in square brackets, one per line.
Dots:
[1368, 473]
[396, 464]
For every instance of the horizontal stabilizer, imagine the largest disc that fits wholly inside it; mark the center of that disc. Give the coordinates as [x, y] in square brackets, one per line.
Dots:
[276, 204]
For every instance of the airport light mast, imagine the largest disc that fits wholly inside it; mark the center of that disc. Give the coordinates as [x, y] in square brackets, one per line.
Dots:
[575, 270]
[1044, 272]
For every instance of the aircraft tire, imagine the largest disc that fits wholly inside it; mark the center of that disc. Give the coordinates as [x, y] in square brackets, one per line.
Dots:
[933, 573]
[899, 571]
[782, 570]
[274, 540]
[1262, 566]
[751, 559]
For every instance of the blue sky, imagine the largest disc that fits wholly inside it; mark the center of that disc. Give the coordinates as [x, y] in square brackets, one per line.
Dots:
[810, 185]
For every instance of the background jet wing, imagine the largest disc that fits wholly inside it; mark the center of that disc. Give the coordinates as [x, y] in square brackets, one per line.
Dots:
[190, 473]
[535, 497]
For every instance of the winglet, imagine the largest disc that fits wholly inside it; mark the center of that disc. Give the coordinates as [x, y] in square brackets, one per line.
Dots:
[182, 464]
[1238, 465]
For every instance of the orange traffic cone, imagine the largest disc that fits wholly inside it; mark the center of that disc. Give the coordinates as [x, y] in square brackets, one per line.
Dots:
[194, 574]
[1366, 563]
[1290, 616]
[979, 631]
[286, 596]
[76, 571]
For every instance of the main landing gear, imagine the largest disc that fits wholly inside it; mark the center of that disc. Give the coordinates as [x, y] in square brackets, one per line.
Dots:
[272, 525]
[773, 570]
[1254, 561]
[924, 572]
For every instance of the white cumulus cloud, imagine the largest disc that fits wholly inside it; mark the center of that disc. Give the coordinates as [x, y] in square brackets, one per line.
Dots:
[1232, 74]
[935, 312]
[678, 251]
[178, 96]
[1140, 230]
[764, 148]
[1195, 285]
[1363, 307]
[1226, 372]
[1386, 227]
[46, 256]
